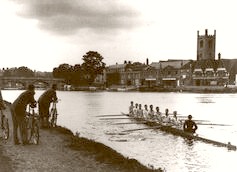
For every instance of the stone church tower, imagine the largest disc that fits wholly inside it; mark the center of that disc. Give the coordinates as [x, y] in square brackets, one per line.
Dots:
[206, 46]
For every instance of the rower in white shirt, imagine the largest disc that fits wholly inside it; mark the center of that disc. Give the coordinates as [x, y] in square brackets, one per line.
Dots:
[151, 113]
[166, 119]
[135, 110]
[158, 116]
[130, 109]
[145, 112]
[139, 111]
[175, 121]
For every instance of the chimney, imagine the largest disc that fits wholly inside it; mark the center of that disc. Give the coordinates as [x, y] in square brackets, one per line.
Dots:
[125, 62]
[147, 61]
[219, 56]
[206, 32]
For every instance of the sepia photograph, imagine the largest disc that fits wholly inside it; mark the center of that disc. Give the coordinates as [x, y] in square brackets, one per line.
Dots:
[118, 86]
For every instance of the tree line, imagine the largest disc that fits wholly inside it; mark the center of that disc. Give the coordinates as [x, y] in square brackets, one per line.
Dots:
[17, 72]
[81, 74]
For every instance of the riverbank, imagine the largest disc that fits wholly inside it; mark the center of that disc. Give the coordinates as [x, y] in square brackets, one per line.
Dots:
[60, 150]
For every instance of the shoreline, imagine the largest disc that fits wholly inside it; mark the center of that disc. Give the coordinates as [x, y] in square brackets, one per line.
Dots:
[103, 153]
[60, 150]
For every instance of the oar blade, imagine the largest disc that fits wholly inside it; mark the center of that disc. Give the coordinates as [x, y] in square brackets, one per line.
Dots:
[112, 118]
[147, 128]
[111, 115]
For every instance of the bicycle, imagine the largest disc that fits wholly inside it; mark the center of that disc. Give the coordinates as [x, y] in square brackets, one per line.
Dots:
[4, 126]
[32, 127]
[53, 115]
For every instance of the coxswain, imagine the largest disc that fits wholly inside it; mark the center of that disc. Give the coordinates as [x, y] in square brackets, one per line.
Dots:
[158, 116]
[189, 125]
[166, 119]
[145, 112]
[130, 110]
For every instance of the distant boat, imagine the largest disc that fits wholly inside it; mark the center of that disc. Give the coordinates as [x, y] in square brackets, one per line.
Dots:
[92, 88]
[122, 89]
[13, 88]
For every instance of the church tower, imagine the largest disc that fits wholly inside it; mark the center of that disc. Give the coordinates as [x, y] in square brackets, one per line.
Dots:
[206, 46]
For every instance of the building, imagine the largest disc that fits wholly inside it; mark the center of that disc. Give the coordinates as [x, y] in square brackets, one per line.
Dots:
[206, 70]
[169, 72]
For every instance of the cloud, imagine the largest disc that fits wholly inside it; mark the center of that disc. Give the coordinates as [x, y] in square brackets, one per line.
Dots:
[69, 16]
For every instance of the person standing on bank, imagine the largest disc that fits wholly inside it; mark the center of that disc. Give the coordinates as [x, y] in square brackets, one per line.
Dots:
[18, 111]
[44, 103]
[189, 125]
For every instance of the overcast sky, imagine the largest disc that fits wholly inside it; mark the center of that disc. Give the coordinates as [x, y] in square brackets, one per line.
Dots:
[42, 34]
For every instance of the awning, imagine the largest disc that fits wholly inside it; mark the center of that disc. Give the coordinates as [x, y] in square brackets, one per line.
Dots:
[197, 70]
[221, 69]
[150, 79]
[168, 79]
[209, 69]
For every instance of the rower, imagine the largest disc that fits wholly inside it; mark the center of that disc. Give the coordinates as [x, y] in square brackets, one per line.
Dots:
[130, 110]
[151, 113]
[145, 112]
[139, 111]
[135, 110]
[166, 118]
[189, 125]
[174, 120]
[158, 116]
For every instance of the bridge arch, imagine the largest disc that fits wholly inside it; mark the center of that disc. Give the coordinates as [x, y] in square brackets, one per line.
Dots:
[23, 82]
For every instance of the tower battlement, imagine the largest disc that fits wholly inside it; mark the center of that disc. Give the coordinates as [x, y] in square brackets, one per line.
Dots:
[206, 45]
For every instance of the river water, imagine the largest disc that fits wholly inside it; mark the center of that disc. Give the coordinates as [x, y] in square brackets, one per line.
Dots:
[78, 111]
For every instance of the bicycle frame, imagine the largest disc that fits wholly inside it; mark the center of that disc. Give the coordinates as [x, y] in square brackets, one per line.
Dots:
[53, 115]
[32, 123]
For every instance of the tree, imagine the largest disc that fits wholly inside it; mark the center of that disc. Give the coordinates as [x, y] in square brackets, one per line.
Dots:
[19, 72]
[63, 71]
[92, 65]
[24, 71]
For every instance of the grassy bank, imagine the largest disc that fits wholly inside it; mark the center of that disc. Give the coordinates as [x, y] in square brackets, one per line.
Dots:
[103, 153]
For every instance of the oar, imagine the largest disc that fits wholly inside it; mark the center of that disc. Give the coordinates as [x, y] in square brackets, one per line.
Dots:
[142, 129]
[112, 118]
[121, 123]
[111, 115]
[197, 120]
[213, 124]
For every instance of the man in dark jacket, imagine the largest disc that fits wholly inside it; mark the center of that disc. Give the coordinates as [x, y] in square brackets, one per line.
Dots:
[44, 103]
[18, 111]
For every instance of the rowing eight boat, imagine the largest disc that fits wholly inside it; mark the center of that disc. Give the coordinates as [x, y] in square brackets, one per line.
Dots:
[180, 132]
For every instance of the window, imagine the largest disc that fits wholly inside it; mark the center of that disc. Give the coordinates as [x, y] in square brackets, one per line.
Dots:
[210, 43]
[201, 43]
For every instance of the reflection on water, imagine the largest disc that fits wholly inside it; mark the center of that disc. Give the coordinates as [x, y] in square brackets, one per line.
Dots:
[78, 111]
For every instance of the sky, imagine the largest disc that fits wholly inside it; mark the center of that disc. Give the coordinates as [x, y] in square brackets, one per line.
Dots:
[42, 34]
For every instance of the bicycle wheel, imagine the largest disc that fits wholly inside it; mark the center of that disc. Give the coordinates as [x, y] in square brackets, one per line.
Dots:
[5, 129]
[25, 131]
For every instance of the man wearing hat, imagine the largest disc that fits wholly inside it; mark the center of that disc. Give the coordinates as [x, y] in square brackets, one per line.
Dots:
[18, 111]
[44, 103]
[189, 125]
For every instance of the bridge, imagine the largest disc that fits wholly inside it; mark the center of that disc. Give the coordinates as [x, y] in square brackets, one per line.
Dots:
[23, 82]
